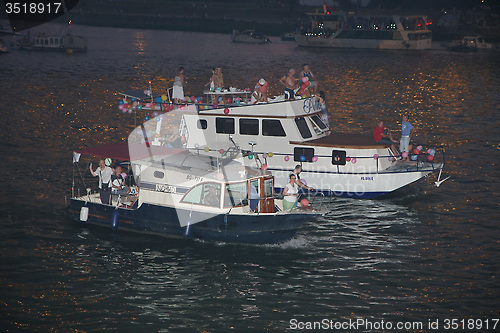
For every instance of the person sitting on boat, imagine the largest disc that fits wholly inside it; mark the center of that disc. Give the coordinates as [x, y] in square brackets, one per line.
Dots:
[383, 136]
[257, 96]
[178, 89]
[104, 172]
[118, 186]
[296, 172]
[406, 130]
[290, 83]
[263, 88]
[290, 193]
[211, 198]
[306, 72]
[174, 140]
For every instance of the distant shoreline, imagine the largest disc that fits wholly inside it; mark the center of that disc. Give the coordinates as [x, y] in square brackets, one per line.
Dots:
[212, 25]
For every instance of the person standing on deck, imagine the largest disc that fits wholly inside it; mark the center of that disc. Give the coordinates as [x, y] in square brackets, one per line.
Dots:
[290, 83]
[306, 72]
[104, 172]
[178, 89]
[406, 131]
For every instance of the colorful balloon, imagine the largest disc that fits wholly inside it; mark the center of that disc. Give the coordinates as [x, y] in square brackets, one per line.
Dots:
[304, 202]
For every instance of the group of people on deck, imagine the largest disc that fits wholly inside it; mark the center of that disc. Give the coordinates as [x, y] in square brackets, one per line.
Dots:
[306, 83]
[111, 180]
[293, 86]
[383, 135]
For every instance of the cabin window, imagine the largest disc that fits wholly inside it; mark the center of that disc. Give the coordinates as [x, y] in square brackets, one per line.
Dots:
[56, 41]
[207, 194]
[159, 174]
[338, 157]
[268, 188]
[51, 40]
[303, 128]
[272, 127]
[303, 154]
[318, 122]
[224, 125]
[201, 124]
[46, 42]
[60, 41]
[249, 126]
[236, 195]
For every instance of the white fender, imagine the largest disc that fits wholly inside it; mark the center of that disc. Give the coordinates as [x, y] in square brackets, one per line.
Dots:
[84, 214]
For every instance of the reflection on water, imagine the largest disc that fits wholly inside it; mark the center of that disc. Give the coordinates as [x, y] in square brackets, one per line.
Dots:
[419, 253]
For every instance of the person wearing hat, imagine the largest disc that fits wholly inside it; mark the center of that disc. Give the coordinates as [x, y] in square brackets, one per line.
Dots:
[104, 172]
[260, 92]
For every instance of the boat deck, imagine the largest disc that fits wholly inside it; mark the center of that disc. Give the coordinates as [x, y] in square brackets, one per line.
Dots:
[343, 140]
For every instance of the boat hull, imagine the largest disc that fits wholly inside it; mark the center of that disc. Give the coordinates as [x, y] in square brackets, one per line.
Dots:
[164, 221]
[359, 186]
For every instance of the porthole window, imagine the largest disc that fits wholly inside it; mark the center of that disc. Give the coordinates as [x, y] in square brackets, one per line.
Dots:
[158, 174]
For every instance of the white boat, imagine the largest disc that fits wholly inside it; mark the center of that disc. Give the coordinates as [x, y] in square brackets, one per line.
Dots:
[469, 44]
[42, 42]
[249, 36]
[280, 134]
[380, 31]
[175, 193]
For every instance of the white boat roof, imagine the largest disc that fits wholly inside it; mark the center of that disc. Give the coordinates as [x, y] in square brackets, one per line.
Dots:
[217, 169]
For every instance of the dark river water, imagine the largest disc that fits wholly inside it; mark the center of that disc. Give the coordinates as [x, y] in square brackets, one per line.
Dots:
[419, 256]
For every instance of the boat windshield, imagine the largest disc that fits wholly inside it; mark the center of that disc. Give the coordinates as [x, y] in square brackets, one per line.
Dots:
[206, 194]
[236, 194]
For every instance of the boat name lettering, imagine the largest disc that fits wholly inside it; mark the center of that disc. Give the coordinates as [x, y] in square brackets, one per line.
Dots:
[165, 188]
[310, 105]
[366, 178]
[195, 178]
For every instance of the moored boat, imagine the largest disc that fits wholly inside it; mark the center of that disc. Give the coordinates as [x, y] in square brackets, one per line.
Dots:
[178, 194]
[345, 30]
[44, 42]
[249, 37]
[469, 44]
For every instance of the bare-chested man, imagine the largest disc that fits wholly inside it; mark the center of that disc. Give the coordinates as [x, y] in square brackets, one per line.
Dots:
[290, 83]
